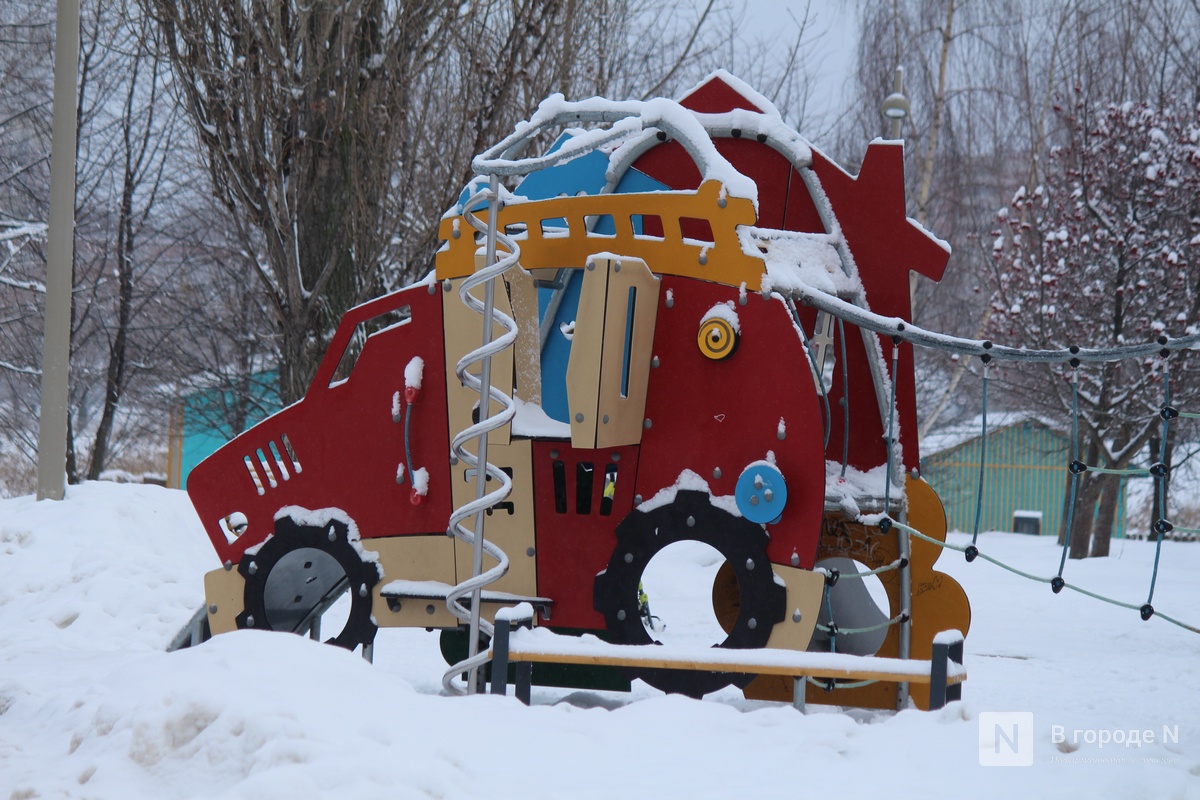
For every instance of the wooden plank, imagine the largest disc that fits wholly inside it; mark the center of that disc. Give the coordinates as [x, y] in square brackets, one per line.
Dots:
[527, 350]
[805, 590]
[463, 330]
[623, 412]
[671, 254]
[510, 526]
[414, 557]
[587, 349]
[873, 669]
[223, 593]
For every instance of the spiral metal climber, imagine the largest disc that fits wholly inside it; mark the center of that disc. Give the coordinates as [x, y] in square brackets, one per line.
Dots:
[473, 512]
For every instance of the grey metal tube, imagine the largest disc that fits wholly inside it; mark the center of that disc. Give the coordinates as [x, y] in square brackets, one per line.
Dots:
[485, 396]
[60, 250]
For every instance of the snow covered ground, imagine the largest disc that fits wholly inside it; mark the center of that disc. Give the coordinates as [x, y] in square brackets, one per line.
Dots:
[92, 589]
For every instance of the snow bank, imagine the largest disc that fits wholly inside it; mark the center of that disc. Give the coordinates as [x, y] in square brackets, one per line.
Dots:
[92, 589]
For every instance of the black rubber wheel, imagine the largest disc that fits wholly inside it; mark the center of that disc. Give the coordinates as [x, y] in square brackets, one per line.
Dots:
[690, 517]
[302, 567]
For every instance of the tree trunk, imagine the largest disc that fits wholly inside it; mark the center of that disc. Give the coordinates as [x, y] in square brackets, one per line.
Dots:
[114, 381]
[72, 466]
[1110, 500]
[1085, 515]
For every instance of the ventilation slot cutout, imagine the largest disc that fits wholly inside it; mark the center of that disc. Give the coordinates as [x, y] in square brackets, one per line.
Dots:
[291, 453]
[283, 470]
[258, 484]
[610, 490]
[584, 472]
[262, 459]
[560, 487]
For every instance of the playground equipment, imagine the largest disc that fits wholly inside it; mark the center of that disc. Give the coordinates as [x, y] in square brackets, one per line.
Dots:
[657, 366]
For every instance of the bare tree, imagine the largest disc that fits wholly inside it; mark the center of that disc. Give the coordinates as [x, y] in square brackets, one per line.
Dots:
[299, 108]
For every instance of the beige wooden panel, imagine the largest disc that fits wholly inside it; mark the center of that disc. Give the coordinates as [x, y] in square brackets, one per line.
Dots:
[512, 533]
[587, 347]
[224, 590]
[464, 333]
[414, 558]
[621, 415]
[527, 350]
[805, 589]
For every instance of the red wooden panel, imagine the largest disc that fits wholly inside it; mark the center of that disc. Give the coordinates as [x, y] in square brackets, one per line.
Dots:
[574, 544]
[669, 163]
[886, 246]
[715, 96]
[707, 415]
[345, 440]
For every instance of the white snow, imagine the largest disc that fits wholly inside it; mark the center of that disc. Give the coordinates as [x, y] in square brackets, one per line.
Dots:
[93, 588]
[414, 371]
[690, 481]
[726, 312]
[532, 420]
[798, 260]
[420, 479]
[846, 490]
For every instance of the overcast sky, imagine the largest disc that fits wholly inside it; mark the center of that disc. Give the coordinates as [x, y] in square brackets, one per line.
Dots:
[832, 34]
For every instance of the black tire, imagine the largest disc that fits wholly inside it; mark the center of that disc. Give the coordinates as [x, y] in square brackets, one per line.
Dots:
[690, 517]
[301, 567]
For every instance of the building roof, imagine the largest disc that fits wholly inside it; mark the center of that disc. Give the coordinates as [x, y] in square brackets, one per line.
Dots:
[955, 435]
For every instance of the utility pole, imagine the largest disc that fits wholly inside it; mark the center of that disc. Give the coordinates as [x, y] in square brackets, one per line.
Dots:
[60, 253]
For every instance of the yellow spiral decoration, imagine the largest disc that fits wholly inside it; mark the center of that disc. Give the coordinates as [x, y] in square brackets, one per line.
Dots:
[717, 338]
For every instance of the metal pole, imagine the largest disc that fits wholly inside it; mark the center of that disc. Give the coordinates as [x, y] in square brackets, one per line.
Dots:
[56, 344]
[485, 391]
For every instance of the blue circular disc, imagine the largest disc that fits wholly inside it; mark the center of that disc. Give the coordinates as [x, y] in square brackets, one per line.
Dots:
[761, 492]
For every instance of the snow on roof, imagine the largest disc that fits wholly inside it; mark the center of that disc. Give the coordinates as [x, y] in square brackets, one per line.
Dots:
[957, 434]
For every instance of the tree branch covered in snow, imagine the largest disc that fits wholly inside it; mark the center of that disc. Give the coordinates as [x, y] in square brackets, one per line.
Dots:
[1105, 252]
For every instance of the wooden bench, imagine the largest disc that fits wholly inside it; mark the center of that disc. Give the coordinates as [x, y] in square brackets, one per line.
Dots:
[516, 643]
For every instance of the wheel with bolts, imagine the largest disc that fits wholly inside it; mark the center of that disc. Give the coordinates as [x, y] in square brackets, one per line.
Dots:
[300, 572]
[748, 611]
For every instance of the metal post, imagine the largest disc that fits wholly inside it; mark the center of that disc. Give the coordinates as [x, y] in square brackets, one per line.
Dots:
[937, 675]
[485, 391]
[56, 344]
[500, 656]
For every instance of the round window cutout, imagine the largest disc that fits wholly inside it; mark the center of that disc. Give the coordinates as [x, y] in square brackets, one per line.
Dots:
[679, 587]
